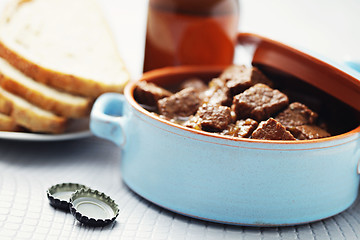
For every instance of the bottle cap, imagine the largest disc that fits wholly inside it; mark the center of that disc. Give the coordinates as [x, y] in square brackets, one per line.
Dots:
[59, 194]
[93, 208]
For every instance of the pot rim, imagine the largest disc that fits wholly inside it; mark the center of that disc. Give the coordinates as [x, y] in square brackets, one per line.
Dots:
[129, 95]
[324, 73]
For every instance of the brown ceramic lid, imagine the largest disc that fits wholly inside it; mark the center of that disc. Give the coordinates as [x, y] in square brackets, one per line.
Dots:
[338, 81]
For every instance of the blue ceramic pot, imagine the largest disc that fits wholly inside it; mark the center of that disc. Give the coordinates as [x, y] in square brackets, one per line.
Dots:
[224, 179]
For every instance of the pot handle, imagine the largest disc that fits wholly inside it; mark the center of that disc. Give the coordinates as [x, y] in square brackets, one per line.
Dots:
[107, 118]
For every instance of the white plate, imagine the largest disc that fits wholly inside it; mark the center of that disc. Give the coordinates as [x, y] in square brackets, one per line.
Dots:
[76, 129]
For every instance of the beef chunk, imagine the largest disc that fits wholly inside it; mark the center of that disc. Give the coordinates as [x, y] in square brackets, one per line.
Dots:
[211, 118]
[309, 132]
[218, 93]
[149, 93]
[295, 115]
[195, 83]
[181, 104]
[259, 102]
[272, 130]
[240, 78]
[242, 128]
[220, 97]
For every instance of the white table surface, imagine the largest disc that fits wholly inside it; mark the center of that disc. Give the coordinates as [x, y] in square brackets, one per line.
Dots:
[27, 169]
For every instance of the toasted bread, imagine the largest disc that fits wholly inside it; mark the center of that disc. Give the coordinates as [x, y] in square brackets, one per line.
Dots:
[5, 106]
[60, 103]
[65, 44]
[32, 117]
[7, 123]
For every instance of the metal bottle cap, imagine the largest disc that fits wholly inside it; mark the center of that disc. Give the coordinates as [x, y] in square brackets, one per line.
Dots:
[59, 194]
[93, 208]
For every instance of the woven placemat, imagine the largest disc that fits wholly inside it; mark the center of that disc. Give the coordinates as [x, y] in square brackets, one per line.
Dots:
[27, 169]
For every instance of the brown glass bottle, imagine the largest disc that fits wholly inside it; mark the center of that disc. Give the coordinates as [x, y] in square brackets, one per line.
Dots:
[190, 32]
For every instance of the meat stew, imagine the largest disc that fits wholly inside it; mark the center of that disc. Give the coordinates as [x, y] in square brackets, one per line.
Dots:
[241, 102]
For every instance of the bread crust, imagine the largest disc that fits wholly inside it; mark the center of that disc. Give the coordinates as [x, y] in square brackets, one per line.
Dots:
[7, 123]
[5, 106]
[31, 120]
[36, 123]
[62, 81]
[47, 103]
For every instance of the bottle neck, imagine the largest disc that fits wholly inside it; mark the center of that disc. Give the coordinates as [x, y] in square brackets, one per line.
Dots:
[197, 7]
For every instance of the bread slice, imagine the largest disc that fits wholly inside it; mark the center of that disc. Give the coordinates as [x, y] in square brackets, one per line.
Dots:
[7, 123]
[45, 97]
[31, 117]
[65, 44]
[5, 106]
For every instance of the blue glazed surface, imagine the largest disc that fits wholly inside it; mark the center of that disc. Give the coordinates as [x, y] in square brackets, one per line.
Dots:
[222, 180]
[354, 65]
[107, 118]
